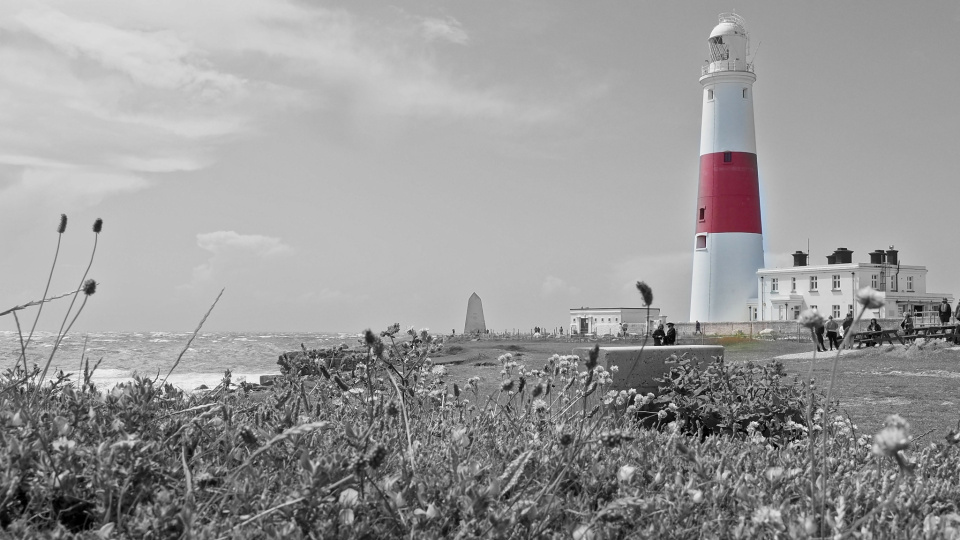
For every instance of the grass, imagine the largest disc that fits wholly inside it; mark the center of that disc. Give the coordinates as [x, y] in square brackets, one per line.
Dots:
[920, 385]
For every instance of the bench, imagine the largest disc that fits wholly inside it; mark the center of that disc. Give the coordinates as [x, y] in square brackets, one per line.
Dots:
[876, 338]
[947, 332]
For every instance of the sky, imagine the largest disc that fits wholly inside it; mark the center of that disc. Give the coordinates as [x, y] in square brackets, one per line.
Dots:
[336, 166]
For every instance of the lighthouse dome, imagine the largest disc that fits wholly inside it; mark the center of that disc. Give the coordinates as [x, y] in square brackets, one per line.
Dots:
[727, 29]
[728, 45]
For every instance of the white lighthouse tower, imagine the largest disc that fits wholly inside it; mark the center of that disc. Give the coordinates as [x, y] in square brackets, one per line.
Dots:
[728, 247]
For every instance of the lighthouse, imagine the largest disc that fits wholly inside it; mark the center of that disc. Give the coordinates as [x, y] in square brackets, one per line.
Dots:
[728, 245]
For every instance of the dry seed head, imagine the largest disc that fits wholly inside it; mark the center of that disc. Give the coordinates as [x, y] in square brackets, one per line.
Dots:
[89, 287]
[63, 224]
[870, 298]
[97, 225]
[646, 292]
[506, 385]
[811, 318]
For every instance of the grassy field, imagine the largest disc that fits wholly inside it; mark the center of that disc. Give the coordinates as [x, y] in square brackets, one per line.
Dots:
[920, 384]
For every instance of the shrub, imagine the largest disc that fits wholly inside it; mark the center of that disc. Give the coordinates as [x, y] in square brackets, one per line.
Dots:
[732, 399]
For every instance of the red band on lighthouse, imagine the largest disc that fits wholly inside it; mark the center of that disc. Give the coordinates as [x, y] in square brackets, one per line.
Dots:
[729, 199]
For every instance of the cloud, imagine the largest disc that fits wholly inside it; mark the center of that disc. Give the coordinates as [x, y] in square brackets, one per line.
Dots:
[129, 87]
[448, 29]
[553, 285]
[61, 187]
[233, 254]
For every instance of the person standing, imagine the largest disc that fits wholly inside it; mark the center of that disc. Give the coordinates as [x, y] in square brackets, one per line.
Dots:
[671, 337]
[832, 335]
[696, 329]
[847, 323]
[945, 312]
[819, 332]
[658, 335]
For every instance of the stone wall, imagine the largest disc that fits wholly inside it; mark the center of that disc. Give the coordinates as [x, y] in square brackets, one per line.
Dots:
[753, 328]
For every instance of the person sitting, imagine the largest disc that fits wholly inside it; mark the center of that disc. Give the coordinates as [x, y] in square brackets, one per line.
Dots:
[671, 337]
[907, 323]
[659, 335]
[874, 326]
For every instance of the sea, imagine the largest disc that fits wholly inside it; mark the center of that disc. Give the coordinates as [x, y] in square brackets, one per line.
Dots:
[123, 355]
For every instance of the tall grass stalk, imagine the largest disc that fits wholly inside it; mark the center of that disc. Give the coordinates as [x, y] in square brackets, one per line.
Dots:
[190, 341]
[89, 287]
[61, 228]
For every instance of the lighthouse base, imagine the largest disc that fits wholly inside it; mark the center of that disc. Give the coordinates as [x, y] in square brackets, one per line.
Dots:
[725, 276]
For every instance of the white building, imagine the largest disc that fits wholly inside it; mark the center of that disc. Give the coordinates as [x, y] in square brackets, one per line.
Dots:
[831, 289]
[610, 321]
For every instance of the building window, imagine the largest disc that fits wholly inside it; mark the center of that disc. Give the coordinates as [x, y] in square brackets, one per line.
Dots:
[813, 308]
[703, 214]
[701, 241]
[835, 311]
[728, 157]
[813, 283]
[873, 281]
[893, 283]
[796, 312]
[774, 285]
[910, 283]
[836, 282]
[850, 308]
[744, 93]
[793, 284]
[709, 94]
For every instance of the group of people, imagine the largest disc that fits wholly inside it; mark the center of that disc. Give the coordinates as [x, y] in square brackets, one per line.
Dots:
[834, 331]
[668, 337]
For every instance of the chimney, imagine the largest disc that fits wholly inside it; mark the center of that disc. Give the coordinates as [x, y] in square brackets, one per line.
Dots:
[843, 255]
[876, 257]
[832, 259]
[799, 258]
[892, 256]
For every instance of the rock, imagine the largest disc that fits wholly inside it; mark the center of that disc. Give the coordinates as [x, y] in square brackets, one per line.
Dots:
[636, 369]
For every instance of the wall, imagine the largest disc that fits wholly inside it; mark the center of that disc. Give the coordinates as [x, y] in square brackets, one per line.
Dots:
[781, 328]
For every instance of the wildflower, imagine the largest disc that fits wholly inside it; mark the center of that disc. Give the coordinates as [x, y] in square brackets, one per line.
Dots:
[811, 318]
[662, 414]
[89, 287]
[63, 224]
[539, 405]
[646, 292]
[890, 440]
[696, 495]
[614, 369]
[870, 298]
[97, 225]
[626, 472]
[766, 514]
[506, 385]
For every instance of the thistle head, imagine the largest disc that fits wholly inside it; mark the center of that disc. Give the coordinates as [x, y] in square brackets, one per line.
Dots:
[63, 224]
[646, 292]
[594, 356]
[893, 438]
[97, 225]
[89, 287]
[869, 298]
[811, 318]
[369, 337]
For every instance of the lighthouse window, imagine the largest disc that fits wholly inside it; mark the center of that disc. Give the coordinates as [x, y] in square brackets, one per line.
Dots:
[710, 94]
[727, 157]
[703, 213]
[702, 241]
[744, 93]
